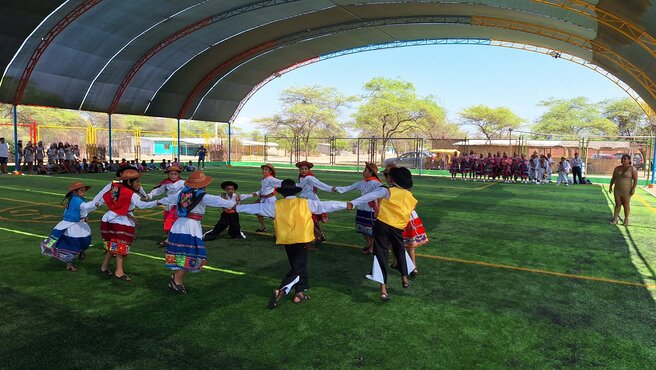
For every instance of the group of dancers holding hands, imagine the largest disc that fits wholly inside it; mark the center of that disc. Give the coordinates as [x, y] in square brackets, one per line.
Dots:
[510, 169]
[385, 215]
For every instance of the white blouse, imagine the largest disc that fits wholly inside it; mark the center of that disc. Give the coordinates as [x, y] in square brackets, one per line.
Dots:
[269, 209]
[365, 187]
[170, 189]
[308, 183]
[269, 184]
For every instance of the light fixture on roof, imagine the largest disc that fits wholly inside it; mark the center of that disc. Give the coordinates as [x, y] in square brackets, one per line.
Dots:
[554, 54]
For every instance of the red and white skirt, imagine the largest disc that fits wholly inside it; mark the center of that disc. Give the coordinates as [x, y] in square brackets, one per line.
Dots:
[414, 233]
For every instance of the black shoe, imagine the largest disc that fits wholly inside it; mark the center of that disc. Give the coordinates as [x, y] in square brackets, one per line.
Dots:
[210, 235]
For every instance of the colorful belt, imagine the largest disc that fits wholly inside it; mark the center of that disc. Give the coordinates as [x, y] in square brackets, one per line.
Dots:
[195, 216]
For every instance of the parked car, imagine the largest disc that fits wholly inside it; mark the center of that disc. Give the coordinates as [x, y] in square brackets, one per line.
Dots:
[411, 159]
[636, 160]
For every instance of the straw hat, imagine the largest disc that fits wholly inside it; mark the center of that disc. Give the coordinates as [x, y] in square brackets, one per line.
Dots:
[130, 174]
[270, 166]
[198, 180]
[371, 167]
[78, 185]
[305, 163]
[173, 168]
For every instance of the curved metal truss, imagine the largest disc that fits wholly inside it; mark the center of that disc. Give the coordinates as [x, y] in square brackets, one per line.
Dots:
[452, 41]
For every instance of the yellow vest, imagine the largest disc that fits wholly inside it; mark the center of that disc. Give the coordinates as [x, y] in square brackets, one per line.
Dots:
[293, 221]
[396, 210]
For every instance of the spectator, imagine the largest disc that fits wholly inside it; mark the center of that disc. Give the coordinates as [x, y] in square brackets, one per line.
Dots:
[175, 163]
[577, 166]
[28, 155]
[625, 180]
[151, 166]
[113, 167]
[201, 153]
[84, 168]
[190, 167]
[143, 167]
[4, 155]
[52, 153]
[563, 172]
[61, 153]
[40, 153]
[19, 151]
[162, 166]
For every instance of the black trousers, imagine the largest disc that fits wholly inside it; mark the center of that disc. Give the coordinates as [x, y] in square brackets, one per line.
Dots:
[297, 255]
[201, 160]
[576, 171]
[228, 221]
[385, 235]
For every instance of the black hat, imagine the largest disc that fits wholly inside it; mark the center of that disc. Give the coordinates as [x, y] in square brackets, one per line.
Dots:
[225, 184]
[402, 177]
[120, 170]
[288, 187]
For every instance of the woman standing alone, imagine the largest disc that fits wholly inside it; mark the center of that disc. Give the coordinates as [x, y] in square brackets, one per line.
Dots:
[625, 180]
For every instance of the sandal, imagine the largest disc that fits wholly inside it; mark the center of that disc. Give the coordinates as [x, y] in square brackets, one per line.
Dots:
[414, 273]
[275, 298]
[82, 255]
[107, 272]
[180, 289]
[71, 268]
[367, 251]
[385, 297]
[261, 230]
[123, 277]
[405, 284]
[302, 297]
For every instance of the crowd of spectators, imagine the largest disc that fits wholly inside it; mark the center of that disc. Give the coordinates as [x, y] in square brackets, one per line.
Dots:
[62, 157]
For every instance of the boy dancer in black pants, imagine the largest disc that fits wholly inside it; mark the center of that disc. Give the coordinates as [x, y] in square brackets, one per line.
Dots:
[396, 206]
[229, 217]
[294, 229]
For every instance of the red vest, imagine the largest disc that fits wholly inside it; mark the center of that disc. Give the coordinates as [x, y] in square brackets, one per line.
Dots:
[118, 199]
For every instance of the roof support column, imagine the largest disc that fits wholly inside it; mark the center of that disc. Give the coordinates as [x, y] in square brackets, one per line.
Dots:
[179, 159]
[229, 143]
[16, 149]
[653, 162]
[109, 130]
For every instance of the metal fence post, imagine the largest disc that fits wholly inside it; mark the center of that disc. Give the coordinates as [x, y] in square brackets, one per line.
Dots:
[357, 161]
[16, 150]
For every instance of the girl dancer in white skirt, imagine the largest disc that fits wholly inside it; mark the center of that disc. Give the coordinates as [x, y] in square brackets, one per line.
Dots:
[71, 237]
[267, 192]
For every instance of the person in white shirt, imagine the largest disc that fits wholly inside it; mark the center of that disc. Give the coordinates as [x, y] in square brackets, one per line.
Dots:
[172, 186]
[229, 217]
[550, 162]
[185, 248]
[366, 212]
[190, 167]
[267, 192]
[533, 164]
[309, 183]
[563, 172]
[577, 168]
[4, 155]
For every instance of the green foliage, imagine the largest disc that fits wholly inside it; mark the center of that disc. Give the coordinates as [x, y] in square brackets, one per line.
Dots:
[626, 114]
[494, 123]
[574, 118]
[306, 111]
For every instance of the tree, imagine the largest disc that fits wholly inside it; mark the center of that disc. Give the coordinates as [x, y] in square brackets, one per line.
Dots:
[392, 108]
[574, 118]
[493, 123]
[626, 114]
[434, 124]
[306, 111]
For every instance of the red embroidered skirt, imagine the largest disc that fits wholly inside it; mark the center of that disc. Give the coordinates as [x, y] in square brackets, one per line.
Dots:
[117, 238]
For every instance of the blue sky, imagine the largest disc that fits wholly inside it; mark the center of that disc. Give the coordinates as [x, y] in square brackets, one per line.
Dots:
[458, 75]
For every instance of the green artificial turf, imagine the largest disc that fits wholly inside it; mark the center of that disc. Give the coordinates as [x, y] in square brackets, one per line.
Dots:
[468, 308]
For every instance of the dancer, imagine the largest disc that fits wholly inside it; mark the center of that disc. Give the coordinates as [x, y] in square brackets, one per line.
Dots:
[117, 226]
[294, 229]
[229, 217]
[171, 186]
[396, 206]
[185, 249]
[366, 212]
[414, 233]
[309, 183]
[267, 192]
[71, 237]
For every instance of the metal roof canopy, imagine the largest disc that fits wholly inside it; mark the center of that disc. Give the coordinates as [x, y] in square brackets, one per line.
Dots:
[199, 59]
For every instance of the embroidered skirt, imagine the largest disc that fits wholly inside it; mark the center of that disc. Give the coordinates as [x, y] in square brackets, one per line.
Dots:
[414, 234]
[67, 240]
[185, 249]
[364, 222]
[117, 237]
